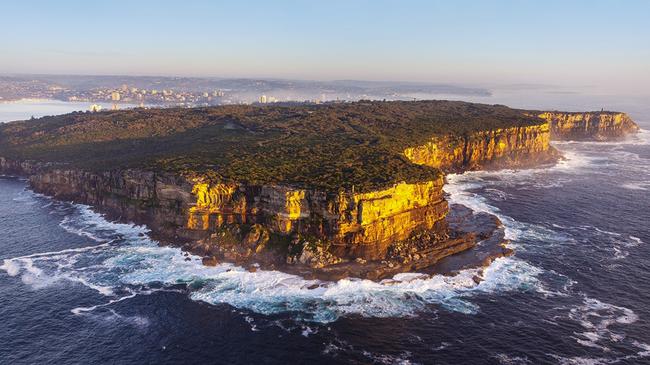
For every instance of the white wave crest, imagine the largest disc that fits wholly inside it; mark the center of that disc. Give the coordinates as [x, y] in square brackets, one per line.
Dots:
[596, 318]
[639, 185]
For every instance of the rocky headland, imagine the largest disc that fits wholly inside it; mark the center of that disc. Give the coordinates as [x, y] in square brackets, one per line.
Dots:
[329, 191]
[603, 126]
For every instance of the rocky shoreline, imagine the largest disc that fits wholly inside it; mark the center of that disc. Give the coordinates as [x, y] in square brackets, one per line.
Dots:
[324, 234]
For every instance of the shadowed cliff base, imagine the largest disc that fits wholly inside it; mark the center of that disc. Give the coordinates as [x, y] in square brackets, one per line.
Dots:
[335, 190]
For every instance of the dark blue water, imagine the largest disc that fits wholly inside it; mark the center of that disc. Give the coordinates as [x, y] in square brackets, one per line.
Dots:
[75, 288]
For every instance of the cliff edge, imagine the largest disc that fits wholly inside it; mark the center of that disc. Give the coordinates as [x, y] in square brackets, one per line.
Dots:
[598, 126]
[337, 190]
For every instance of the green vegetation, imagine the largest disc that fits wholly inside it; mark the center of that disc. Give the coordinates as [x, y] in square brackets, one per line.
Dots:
[329, 146]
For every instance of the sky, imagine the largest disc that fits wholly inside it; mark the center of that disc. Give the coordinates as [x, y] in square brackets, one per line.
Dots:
[568, 42]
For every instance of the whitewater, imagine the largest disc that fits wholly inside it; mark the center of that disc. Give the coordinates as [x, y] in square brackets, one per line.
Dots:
[125, 261]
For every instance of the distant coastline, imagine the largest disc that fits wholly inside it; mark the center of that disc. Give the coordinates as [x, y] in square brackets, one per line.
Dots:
[22, 109]
[27, 100]
[57, 101]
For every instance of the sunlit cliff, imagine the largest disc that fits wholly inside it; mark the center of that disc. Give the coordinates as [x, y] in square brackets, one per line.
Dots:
[498, 148]
[589, 126]
[365, 211]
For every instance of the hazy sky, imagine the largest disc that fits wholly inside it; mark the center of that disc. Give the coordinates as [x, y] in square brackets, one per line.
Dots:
[591, 42]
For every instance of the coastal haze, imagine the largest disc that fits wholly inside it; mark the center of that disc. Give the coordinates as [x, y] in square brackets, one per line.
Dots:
[90, 273]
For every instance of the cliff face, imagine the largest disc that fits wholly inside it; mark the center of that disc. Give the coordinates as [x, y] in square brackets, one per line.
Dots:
[241, 219]
[519, 146]
[12, 167]
[353, 224]
[132, 195]
[498, 148]
[598, 126]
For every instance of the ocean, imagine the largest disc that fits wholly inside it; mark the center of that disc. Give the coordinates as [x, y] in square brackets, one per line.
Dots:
[76, 288]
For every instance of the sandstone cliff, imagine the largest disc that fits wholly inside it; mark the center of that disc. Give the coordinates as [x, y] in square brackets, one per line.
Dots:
[404, 224]
[396, 224]
[354, 224]
[492, 149]
[237, 221]
[599, 126]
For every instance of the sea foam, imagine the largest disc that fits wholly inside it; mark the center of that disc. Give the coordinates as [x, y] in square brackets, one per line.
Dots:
[125, 262]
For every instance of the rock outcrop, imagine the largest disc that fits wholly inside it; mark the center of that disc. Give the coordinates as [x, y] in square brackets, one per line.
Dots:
[353, 224]
[492, 149]
[370, 233]
[599, 126]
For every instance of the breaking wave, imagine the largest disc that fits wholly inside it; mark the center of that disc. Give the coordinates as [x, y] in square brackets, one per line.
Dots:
[125, 263]
[598, 320]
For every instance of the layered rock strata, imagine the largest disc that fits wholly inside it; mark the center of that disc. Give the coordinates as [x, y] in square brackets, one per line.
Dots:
[360, 233]
[599, 126]
[491, 149]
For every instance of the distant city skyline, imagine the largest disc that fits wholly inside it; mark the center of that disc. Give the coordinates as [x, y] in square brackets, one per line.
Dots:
[603, 44]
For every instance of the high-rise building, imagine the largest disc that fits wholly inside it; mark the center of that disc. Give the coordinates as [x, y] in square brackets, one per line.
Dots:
[263, 99]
